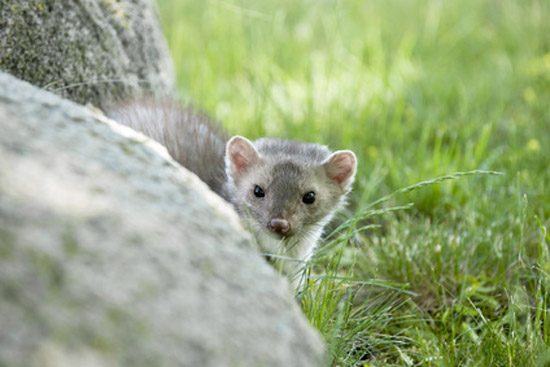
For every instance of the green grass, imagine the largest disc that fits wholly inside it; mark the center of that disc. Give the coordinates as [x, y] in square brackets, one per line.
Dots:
[418, 89]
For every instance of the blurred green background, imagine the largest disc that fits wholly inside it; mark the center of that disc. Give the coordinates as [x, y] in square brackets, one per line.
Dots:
[418, 89]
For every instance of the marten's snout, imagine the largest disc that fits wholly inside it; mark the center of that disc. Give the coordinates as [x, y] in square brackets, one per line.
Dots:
[279, 226]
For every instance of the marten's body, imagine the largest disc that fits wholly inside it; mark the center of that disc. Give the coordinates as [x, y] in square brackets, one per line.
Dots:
[285, 191]
[191, 138]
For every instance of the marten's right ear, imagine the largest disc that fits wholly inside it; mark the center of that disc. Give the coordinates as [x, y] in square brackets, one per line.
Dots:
[340, 167]
[240, 154]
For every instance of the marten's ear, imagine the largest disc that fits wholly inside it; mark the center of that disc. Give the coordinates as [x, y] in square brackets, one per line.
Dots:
[240, 154]
[340, 167]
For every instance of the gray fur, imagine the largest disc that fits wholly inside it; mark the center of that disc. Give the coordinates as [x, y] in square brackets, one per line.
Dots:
[297, 151]
[191, 138]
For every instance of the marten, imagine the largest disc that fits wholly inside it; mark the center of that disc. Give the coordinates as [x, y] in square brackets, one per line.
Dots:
[284, 191]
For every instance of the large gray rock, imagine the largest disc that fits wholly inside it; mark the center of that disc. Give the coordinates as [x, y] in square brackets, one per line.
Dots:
[87, 50]
[111, 254]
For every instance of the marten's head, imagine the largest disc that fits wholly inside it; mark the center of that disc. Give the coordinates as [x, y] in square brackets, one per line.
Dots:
[287, 191]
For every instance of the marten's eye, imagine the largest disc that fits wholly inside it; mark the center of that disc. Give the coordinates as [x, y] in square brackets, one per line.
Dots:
[258, 192]
[309, 197]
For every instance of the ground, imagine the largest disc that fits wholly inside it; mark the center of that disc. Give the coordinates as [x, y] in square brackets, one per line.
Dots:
[451, 273]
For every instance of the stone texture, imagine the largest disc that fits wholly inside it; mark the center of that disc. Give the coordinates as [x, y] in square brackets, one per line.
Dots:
[90, 51]
[113, 255]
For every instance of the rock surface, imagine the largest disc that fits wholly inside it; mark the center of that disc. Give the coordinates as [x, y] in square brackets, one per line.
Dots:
[88, 50]
[112, 255]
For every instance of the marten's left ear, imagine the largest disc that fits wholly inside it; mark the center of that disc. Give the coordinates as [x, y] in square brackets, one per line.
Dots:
[340, 167]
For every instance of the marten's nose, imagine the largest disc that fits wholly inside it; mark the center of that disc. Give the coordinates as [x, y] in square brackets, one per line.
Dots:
[278, 225]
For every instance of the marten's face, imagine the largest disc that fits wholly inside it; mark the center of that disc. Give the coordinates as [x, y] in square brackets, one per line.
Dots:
[287, 191]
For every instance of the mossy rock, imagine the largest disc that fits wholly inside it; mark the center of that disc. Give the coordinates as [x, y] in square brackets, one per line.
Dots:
[90, 51]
